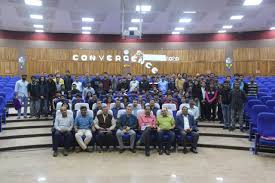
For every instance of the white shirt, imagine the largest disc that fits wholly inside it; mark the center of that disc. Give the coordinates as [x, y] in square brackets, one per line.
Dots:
[78, 85]
[21, 88]
[194, 112]
[134, 84]
[203, 93]
[186, 122]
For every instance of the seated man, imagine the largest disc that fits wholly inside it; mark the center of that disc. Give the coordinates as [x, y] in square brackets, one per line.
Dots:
[98, 107]
[166, 125]
[153, 107]
[126, 124]
[104, 124]
[63, 126]
[83, 126]
[135, 107]
[116, 108]
[193, 110]
[77, 99]
[74, 90]
[146, 123]
[186, 124]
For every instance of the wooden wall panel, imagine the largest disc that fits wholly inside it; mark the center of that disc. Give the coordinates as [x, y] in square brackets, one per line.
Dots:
[8, 61]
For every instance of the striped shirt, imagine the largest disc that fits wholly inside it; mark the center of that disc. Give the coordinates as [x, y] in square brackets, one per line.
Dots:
[252, 89]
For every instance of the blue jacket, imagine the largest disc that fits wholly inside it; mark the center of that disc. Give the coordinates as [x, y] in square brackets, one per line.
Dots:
[180, 123]
[132, 121]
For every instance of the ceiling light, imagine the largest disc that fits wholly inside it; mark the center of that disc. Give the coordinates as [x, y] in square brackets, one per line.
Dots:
[252, 2]
[87, 19]
[236, 17]
[189, 12]
[143, 8]
[38, 26]
[272, 28]
[86, 28]
[86, 32]
[222, 31]
[39, 17]
[185, 20]
[179, 28]
[132, 28]
[175, 32]
[33, 2]
[227, 27]
[136, 20]
[39, 30]
[41, 179]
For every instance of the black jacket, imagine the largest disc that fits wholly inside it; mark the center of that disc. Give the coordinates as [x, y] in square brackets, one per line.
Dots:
[196, 92]
[144, 85]
[33, 89]
[68, 81]
[44, 89]
[52, 88]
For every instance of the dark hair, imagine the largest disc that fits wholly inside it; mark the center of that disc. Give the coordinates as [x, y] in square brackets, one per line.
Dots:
[83, 107]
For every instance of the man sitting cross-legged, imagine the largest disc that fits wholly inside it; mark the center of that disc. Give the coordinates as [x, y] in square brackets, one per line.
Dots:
[83, 127]
[63, 126]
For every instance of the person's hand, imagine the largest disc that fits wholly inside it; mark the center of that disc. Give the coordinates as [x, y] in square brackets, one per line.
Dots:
[124, 131]
[127, 128]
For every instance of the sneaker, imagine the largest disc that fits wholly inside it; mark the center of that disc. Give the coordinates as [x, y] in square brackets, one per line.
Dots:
[133, 150]
[65, 152]
[193, 150]
[55, 153]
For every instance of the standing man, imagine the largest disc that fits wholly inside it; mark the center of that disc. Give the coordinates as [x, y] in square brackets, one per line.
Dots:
[63, 128]
[163, 85]
[237, 98]
[104, 124]
[179, 83]
[21, 90]
[33, 91]
[68, 81]
[165, 125]
[134, 84]
[52, 92]
[252, 87]
[144, 85]
[44, 93]
[126, 125]
[146, 122]
[225, 103]
[83, 126]
[106, 82]
[78, 84]
[187, 126]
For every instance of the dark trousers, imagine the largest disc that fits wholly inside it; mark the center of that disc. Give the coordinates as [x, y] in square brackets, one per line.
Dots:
[203, 110]
[59, 136]
[105, 139]
[165, 142]
[146, 138]
[211, 111]
[195, 138]
[50, 104]
[220, 115]
[43, 107]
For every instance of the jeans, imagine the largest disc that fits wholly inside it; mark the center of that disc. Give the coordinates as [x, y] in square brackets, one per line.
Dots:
[132, 134]
[24, 103]
[226, 115]
[34, 107]
[43, 107]
[167, 142]
[234, 113]
[58, 135]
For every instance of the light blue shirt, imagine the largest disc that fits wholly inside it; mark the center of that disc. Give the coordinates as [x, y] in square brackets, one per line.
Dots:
[82, 122]
[163, 86]
[21, 88]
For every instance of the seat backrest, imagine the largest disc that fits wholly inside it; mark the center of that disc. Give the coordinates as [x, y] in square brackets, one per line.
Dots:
[109, 112]
[250, 103]
[170, 112]
[89, 112]
[112, 105]
[256, 109]
[184, 104]
[95, 105]
[265, 124]
[138, 106]
[121, 112]
[260, 94]
[79, 105]
[270, 104]
[59, 104]
[156, 105]
[171, 106]
[69, 112]
[142, 111]
[265, 98]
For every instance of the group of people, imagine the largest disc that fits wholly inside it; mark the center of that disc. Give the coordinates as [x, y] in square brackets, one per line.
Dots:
[204, 97]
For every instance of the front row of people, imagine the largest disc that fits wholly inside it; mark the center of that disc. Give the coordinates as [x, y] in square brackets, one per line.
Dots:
[162, 128]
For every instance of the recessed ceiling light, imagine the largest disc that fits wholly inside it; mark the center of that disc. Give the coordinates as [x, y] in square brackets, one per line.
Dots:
[33, 2]
[86, 32]
[39, 30]
[222, 31]
[136, 20]
[179, 28]
[227, 27]
[132, 28]
[38, 26]
[39, 17]
[236, 17]
[86, 28]
[189, 12]
[185, 20]
[272, 28]
[87, 19]
[175, 32]
[252, 2]
[143, 8]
